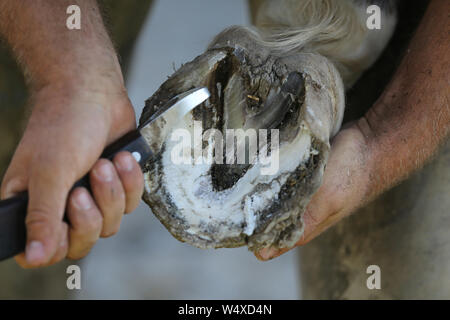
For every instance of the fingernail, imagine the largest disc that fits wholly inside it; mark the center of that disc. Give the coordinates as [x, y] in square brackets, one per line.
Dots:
[105, 172]
[81, 201]
[35, 252]
[268, 253]
[126, 162]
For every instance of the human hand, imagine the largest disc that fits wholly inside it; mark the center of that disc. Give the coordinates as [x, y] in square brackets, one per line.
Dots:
[345, 186]
[67, 131]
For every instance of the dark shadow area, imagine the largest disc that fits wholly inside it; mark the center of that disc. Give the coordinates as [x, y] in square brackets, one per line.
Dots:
[372, 83]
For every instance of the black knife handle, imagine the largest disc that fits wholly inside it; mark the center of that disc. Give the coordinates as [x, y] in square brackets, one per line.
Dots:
[14, 210]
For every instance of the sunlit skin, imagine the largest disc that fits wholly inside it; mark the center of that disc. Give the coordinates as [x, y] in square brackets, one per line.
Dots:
[397, 136]
[79, 105]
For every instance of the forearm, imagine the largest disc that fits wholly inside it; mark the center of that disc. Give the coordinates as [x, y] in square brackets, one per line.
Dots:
[412, 118]
[49, 52]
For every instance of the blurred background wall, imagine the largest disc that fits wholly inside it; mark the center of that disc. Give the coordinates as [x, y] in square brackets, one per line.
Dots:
[143, 260]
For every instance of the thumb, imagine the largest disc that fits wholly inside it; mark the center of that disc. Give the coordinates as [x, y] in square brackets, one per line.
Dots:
[15, 179]
[47, 189]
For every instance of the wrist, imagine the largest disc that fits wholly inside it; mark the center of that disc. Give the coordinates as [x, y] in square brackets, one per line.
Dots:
[376, 160]
[83, 71]
[356, 175]
[102, 91]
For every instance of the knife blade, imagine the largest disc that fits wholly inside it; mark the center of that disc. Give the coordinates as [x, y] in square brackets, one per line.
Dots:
[13, 211]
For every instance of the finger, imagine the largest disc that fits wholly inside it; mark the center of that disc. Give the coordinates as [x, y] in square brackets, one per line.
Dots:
[312, 220]
[313, 223]
[63, 244]
[132, 179]
[60, 254]
[322, 225]
[109, 196]
[12, 186]
[85, 223]
[270, 253]
[47, 198]
[267, 253]
[316, 220]
[15, 179]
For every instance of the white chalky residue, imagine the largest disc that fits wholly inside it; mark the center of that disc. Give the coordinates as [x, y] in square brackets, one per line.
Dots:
[257, 202]
[190, 187]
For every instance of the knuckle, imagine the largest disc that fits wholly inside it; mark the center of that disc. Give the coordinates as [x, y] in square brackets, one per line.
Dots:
[38, 217]
[94, 222]
[110, 195]
[87, 222]
[310, 219]
[12, 184]
[119, 204]
[119, 196]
